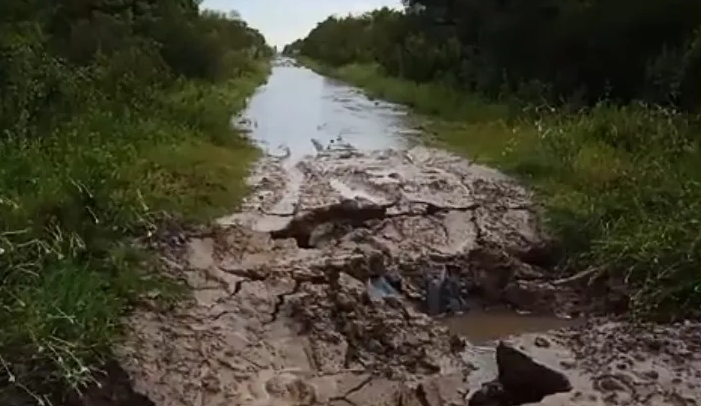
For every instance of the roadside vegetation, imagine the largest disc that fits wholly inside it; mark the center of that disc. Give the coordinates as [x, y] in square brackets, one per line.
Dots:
[595, 104]
[114, 115]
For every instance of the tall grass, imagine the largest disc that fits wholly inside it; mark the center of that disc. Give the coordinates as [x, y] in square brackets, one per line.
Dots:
[621, 185]
[77, 184]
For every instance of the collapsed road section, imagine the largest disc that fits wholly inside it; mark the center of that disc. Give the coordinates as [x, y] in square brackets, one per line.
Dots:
[323, 288]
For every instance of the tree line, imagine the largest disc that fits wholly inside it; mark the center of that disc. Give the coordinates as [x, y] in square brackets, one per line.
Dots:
[558, 51]
[44, 45]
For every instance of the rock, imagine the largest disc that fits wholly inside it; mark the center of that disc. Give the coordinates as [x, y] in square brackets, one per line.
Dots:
[526, 380]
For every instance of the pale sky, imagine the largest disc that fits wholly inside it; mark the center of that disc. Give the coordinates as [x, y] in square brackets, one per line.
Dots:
[283, 21]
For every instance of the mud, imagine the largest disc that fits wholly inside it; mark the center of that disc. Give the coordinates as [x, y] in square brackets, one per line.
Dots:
[618, 363]
[322, 291]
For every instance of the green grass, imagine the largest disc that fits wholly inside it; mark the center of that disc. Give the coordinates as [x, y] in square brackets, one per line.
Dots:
[70, 201]
[621, 185]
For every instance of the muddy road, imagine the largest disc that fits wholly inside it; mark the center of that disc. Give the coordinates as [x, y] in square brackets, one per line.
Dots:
[365, 270]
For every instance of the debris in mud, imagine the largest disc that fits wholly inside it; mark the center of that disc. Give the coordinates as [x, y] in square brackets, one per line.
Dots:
[380, 287]
[526, 380]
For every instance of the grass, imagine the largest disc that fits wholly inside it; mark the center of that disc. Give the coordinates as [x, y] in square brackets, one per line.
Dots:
[621, 185]
[71, 200]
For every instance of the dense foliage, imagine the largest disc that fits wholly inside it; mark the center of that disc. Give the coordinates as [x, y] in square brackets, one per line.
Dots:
[559, 50]
[111, 112]
[593, 102]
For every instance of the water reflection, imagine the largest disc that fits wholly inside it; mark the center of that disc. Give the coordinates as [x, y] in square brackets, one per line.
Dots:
[297, 105]
[481, 327]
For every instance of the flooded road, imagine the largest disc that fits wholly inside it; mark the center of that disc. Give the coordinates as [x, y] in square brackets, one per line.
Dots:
[298, 105]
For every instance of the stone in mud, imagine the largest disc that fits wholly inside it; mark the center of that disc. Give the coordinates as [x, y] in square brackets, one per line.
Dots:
[541, 342]
[380, 287]
[525, 379]
[520, 380]
[444, 294]
[539, 296]
[434, 296]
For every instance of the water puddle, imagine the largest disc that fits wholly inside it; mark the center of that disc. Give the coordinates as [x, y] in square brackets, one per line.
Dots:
[298, 106]
[482, 327]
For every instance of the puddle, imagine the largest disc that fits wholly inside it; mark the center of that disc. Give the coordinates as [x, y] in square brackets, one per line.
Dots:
[481, 327]
[305, 112]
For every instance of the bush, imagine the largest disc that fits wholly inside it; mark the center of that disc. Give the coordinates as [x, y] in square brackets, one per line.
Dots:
[637, 173]
[101, 135]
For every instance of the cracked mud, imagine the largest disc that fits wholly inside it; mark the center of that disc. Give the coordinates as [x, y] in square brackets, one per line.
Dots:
[322, 290]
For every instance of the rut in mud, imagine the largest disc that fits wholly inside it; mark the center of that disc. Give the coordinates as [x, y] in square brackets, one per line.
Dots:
[317, 292]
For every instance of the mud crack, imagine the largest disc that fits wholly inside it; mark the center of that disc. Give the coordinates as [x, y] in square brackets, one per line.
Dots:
[341, 284]
[355, 389]
[281, 299]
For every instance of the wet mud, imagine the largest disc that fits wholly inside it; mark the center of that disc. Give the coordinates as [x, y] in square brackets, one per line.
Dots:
[327, 288]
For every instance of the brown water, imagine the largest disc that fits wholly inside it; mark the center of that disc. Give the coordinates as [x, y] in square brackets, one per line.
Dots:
[484, 326]
[297, 106]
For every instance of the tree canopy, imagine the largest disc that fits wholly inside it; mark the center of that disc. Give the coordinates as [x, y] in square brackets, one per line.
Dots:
[562, 50]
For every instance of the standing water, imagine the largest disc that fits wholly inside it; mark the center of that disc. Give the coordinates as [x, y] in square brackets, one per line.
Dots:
[481, 327]
[298, 106]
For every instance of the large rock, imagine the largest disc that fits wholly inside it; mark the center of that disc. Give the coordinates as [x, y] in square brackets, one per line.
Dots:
[525, 379]
[520, 380]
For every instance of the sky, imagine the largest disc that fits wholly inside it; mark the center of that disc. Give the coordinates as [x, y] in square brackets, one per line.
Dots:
[283, 21]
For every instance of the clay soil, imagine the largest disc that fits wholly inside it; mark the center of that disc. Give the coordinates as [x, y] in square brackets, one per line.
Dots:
[285, 307]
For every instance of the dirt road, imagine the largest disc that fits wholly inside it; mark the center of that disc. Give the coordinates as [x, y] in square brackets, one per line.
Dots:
[324, 290]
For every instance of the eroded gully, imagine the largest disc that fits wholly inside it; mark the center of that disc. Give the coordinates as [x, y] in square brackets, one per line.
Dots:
[330, 285]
